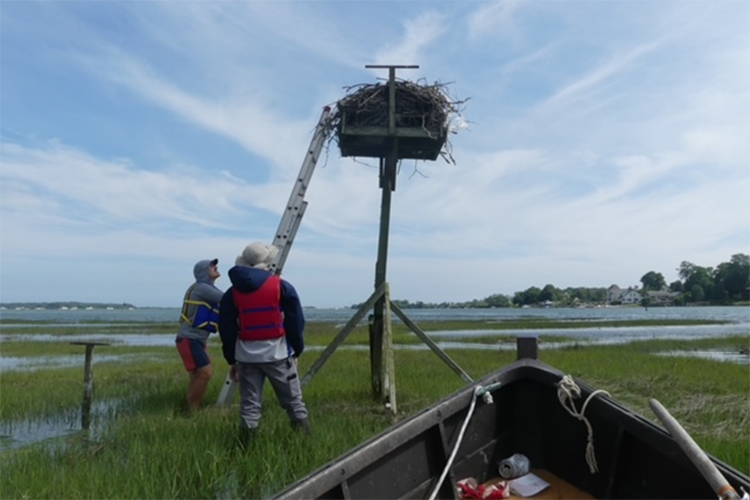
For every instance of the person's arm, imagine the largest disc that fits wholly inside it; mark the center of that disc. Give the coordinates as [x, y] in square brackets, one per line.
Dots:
[228, 326]
[294, 318]
[208, 293]
[215, 294]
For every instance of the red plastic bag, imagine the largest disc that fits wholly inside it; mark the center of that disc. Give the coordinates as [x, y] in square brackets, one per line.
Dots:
[469, 489]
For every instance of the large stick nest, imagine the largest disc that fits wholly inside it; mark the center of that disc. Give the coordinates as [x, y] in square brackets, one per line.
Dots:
[418, 106]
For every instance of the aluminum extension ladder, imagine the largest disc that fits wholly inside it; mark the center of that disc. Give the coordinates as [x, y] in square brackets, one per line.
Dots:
[291, 219]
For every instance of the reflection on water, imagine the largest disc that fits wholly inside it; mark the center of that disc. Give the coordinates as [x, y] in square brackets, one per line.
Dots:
[18, 433]
[34, 363]
[742, 358]
[129, 339]
[24, 433]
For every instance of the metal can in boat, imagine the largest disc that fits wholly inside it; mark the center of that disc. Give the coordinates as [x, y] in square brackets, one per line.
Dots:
[516, 465]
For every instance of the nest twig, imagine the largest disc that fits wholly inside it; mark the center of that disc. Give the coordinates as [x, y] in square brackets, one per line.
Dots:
[417, 105]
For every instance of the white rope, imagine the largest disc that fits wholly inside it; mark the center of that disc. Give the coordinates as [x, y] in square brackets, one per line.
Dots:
[567, 390]
[487, 398]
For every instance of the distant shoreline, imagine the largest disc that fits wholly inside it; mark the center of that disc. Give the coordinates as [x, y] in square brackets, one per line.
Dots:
[67, 305]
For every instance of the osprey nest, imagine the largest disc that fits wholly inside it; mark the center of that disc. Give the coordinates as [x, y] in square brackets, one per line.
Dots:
[422, 121]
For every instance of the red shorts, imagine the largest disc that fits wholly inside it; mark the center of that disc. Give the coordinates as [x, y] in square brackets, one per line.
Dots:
[193, 353]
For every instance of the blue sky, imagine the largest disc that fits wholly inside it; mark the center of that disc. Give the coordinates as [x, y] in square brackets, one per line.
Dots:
[604, 140]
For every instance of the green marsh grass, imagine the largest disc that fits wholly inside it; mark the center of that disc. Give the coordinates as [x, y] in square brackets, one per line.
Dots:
[324, 333]
[154, 449]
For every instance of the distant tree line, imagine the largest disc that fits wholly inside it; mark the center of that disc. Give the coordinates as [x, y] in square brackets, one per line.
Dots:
[726, 284]
[68, 305]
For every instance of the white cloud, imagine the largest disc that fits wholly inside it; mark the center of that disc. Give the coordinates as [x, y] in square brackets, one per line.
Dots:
[154, 134]
[419, 35]
[85, 189]
[496, 18]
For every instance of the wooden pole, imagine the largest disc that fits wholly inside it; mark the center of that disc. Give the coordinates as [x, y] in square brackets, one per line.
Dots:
[88, 383]
[527, 346]
[708, 470]
[388, 166]
[389, 378]
[388, 184]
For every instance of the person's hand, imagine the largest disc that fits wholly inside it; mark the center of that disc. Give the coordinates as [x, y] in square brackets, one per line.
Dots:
[234, 374]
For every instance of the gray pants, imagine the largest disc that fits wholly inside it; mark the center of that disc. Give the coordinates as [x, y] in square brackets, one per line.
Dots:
[285, 382]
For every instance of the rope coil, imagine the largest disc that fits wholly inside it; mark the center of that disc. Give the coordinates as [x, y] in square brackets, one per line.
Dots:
[567, 390]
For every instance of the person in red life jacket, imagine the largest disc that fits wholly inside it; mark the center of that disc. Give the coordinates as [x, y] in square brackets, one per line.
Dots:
[261, 326]
[199, 319]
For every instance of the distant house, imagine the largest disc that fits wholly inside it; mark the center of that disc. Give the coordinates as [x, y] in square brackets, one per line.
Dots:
[616, 295]
[613, 294]
[631, 296]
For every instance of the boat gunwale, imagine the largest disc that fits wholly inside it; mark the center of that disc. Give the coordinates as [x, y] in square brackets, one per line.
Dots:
[338, 471]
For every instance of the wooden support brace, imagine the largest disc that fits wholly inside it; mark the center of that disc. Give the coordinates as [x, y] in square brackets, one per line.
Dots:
[348, 328]
[432, 345]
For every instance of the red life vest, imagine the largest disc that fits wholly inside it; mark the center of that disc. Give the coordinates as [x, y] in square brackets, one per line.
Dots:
[260, 311]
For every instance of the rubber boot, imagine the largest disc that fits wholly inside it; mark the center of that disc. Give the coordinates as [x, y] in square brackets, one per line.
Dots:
[302, 425]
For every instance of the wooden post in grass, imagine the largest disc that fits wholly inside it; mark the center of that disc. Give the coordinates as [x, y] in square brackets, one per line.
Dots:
[88, 382]
[527, 346]
[389, 374]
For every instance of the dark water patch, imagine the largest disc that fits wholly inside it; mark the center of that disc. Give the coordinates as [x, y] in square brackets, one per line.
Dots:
[24, 432]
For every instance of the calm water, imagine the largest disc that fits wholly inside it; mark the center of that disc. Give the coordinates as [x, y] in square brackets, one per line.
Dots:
[91, 326]
[167, 315]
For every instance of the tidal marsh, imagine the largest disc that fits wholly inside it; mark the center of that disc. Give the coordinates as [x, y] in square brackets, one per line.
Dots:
[151, 448]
